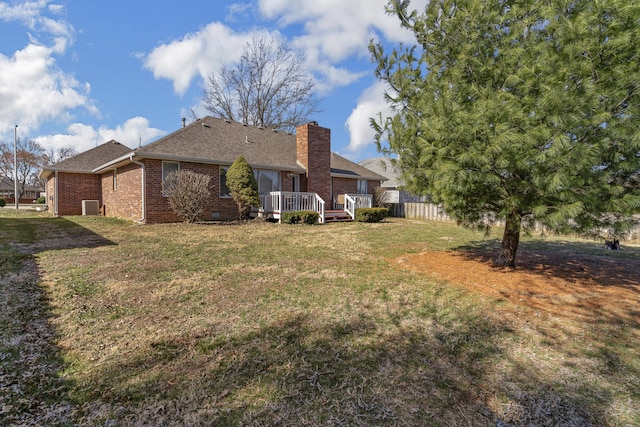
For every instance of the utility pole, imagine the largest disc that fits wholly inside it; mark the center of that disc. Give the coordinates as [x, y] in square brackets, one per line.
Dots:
[15, 166]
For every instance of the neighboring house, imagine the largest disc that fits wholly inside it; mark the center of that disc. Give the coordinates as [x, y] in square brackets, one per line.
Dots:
[394, 192]
[128, 183]
[7, 189]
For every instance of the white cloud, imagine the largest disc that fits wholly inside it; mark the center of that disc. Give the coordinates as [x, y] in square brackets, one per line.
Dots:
[34, 90]
[238, 11]
[333, 31]
[27, 12]
[371, 104]
[336, 31]
[197, 54]
[31, 14]
[82, 137]
[335, 28]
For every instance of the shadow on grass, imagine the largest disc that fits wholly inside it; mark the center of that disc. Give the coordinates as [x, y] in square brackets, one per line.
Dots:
[573, 261]
[301, 370]
[31, 390]
[594, 283]
[414, 365]
[36, 234]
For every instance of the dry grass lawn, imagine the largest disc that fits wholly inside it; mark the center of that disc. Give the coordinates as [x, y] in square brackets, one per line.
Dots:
[398, 323]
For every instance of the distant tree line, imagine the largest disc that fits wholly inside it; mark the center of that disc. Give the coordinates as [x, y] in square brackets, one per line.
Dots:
[31, 158]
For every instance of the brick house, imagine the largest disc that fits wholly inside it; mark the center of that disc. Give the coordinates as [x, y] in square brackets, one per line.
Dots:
[29, 193]
[127, 183]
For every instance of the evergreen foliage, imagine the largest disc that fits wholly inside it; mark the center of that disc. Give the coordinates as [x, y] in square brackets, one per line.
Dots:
[371, 214]
[243, 187]
[524, 109]
[300, 217]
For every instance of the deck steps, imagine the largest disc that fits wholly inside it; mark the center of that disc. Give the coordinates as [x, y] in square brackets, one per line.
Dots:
[336, 216]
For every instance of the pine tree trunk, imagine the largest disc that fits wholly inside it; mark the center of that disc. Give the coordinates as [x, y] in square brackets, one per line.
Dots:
[510, 241]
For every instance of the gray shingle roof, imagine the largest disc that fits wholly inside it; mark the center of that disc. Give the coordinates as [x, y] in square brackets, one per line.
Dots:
[385, 167]
[213, 140]
[86, 161]
[7, 184]
[345, 167]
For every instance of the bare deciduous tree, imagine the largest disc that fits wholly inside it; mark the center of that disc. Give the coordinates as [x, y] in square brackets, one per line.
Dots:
[56, 155]
[52, 156]
[267, 88]
[188, 194]
[30, 159]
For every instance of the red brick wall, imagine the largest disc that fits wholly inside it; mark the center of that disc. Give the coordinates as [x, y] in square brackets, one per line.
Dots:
[158, 208]
[314, 152]
[73, 188]
[287, 181]
[371, 186]
[126, 200]
[349, 185]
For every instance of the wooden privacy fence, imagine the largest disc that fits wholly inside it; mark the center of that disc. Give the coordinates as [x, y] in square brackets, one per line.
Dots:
[432, 211]
[429, 211]
[420, 211]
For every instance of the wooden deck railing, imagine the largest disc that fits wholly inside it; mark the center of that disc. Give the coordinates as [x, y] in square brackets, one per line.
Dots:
[356, 201]
[275, 203]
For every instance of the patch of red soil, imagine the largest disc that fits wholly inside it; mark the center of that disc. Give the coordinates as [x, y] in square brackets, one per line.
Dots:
[569, 285]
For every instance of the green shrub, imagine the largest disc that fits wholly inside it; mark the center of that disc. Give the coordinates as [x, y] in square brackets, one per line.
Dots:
[309, 217]
[243, 187]
[290, 218]
[300, 217]
[3, 202]
[371, 214]
[41, 200]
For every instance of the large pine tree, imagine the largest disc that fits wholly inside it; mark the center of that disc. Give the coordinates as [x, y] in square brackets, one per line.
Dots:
[526, 110]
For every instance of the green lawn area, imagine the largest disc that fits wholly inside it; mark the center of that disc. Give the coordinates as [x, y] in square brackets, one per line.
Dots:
[105, 322]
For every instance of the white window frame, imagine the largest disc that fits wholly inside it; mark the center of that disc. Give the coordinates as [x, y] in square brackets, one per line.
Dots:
[167, 172]
[222, 171]
[363, 185]
[256, 174]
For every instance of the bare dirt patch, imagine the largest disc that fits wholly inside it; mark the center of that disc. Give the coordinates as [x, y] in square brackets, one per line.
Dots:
[565, 284]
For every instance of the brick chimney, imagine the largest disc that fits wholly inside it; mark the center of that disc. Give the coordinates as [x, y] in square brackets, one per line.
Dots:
[314, 153]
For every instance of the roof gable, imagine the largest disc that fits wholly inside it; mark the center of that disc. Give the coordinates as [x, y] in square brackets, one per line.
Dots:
[344, 167]
[222, 141]
[386, 167]
[87, 161]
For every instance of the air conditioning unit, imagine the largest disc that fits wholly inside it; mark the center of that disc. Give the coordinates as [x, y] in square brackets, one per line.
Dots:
[90, 207]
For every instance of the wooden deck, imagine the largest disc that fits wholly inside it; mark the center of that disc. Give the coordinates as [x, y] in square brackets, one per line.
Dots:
[275, 203]
[336, 216]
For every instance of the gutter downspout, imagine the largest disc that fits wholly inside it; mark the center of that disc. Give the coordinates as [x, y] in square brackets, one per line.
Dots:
[55, 197]
[144, 188]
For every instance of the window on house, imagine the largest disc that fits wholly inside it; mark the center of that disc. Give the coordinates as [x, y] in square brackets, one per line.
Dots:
[268, 181]
[224, 190]
[167, 168]
[295, 183]
[362, 186]
[115, 179]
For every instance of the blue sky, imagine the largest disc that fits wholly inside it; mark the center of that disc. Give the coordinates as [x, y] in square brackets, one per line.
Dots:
[77, 73]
